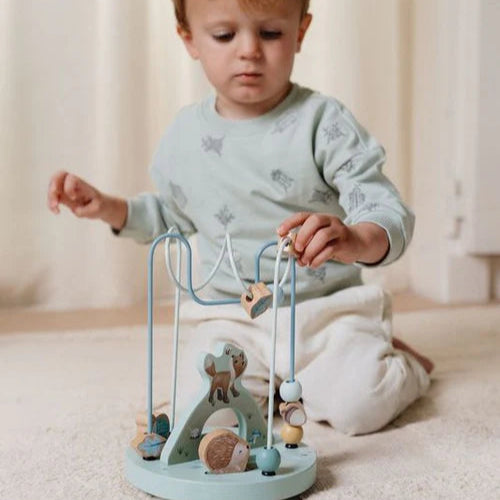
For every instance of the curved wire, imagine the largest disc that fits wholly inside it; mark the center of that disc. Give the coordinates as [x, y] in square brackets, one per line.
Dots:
[226, 246]
[168, 260]
[272, 367]
[287, 272]
[176, 338]
[233, 264]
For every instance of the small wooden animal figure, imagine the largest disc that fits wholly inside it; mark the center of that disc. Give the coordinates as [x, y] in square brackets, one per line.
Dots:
[257, 300]
[223, 381]
[223, 452]
[161, 426]
[291, 435]
[290, 248]
[151, 446]
[293, 413]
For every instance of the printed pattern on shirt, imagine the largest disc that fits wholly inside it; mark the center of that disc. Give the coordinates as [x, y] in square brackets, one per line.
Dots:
[282, 179]
[332, 131]
[285, 122]
[371, 207]
[317, 274]
[356, 198]
[224, 216]
[322, 196]
[210, 143]
[347, 167]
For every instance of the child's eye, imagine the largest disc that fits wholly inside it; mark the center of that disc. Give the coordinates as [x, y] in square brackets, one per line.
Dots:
[270, 34]
[223, 37]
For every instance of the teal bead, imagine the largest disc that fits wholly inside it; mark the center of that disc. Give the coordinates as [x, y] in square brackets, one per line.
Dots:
[281, 294]
[290, 392]
[268, 461]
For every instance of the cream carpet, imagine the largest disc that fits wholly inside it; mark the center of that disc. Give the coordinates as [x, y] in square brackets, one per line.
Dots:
[68, 403]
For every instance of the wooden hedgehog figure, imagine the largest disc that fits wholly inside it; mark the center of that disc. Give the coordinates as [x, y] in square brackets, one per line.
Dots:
[222, 452]
[223, 381]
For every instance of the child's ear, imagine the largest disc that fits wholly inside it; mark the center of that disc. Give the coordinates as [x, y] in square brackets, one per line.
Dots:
[304, 26]
[187, 38]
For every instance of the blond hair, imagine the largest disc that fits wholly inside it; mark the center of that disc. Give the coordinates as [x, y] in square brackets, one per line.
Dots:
[182, 21]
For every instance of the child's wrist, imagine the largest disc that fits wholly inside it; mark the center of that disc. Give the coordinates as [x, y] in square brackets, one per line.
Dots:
[114, 212]
[373, 242]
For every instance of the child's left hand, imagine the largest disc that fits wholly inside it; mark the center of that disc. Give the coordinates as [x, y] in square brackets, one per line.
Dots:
[323, 237]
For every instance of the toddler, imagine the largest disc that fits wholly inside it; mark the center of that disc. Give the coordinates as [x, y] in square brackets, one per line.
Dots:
[264, 154]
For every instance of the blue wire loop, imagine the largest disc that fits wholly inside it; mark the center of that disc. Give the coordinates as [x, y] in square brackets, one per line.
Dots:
[203, 302]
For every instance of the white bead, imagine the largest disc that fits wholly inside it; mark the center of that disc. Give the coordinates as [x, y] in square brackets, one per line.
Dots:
[290, 391]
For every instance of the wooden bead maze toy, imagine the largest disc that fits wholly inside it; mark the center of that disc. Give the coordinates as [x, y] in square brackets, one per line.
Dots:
[184, 460]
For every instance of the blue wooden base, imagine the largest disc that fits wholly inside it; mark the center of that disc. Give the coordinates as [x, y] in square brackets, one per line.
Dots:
[296, 474]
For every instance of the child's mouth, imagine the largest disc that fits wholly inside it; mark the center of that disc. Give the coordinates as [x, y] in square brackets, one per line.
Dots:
[248, 76]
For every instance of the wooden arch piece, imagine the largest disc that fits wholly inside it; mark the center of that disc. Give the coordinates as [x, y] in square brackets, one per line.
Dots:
[221, 388]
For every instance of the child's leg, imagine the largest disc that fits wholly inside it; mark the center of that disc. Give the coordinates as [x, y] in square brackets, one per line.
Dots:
[423, 360]
[354, 377]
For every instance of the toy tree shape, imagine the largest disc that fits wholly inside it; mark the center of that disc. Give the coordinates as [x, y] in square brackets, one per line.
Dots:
[221, 388]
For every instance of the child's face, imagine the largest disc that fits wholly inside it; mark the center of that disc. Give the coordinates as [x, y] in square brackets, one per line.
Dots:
[247, 55]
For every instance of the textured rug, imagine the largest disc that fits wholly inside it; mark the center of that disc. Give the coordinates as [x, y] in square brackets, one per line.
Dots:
[68, 403]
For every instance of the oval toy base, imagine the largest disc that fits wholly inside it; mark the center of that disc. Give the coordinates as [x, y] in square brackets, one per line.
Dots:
[296, 474]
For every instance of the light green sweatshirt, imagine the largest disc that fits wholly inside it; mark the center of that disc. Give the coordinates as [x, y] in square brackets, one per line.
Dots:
[246, 176]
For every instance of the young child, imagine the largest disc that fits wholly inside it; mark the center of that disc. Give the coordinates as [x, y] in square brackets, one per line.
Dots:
[264, 153]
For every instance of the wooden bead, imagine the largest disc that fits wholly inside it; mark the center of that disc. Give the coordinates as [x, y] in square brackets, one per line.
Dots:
[293, 413]
[291, 435]
[223, 452]
[257, 300]
[290, 248]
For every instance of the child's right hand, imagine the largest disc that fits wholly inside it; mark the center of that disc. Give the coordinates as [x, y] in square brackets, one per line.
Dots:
[85, 200]
[81, 198]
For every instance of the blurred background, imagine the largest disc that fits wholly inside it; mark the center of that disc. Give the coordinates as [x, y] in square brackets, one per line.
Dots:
[89, 86]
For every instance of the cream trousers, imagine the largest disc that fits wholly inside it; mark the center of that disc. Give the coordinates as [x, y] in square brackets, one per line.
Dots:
[351, 375]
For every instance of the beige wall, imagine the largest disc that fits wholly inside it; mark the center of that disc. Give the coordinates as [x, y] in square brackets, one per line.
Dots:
[454, 156]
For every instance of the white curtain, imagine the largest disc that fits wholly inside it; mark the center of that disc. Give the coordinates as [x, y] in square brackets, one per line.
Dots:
[89, 86]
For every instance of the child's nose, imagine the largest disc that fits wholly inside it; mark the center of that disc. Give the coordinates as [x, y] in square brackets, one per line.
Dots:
[250, 47]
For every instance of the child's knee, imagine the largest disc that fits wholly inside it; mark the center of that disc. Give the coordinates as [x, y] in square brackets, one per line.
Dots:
[370, 405]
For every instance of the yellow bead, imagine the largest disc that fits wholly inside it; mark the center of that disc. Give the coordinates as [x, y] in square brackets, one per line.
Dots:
[291, 434]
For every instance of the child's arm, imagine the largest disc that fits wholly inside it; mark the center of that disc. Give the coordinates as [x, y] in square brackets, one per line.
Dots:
[367, 223]
[323, 237]
[85, 200]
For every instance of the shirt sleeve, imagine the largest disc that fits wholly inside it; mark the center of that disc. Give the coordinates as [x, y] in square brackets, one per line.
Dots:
[149, 215]
[152, 214]
[351, 163]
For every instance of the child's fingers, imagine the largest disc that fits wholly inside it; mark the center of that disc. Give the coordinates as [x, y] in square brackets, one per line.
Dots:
[53, 202]
[326, 254]
[309, 228]
[292, 222]
[55, 191]
[69, 190]
[319, 239]
[73, 187]
[87, 209]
